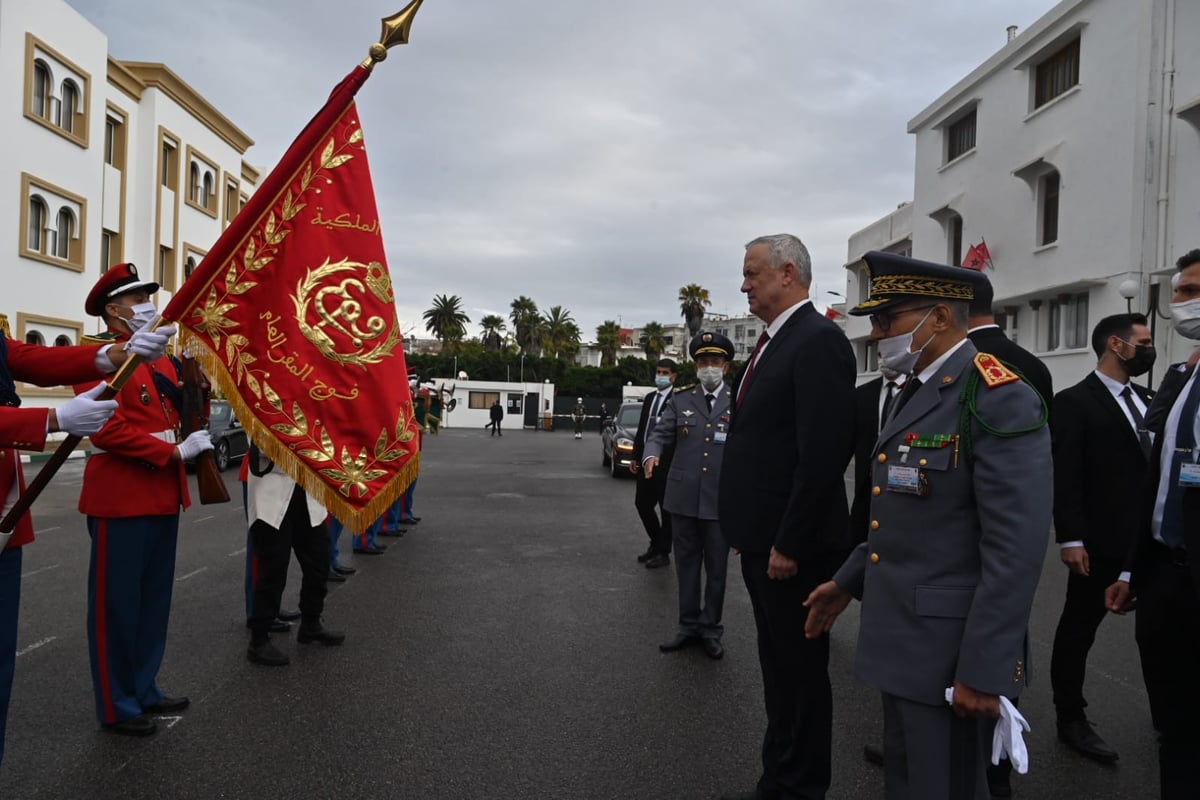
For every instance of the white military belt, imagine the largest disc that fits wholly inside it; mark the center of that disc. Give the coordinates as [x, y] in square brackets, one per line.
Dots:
[166, 436]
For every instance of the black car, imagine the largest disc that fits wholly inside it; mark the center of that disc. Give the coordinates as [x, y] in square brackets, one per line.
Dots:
[228, 436]
[616, 437]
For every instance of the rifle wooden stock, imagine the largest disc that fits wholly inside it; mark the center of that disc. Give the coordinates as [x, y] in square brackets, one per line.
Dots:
[208, 478]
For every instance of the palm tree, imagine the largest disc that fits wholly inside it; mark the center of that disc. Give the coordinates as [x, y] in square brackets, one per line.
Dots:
[693, 299]
[493, 326]
[653, 341]
[559, 334]
[446, 320]
[525, 319]
[608, 339]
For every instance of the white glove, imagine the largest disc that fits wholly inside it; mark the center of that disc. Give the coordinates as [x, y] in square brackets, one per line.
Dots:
[1007, 739]
[152, 345]
[83, 414]
[195, 444]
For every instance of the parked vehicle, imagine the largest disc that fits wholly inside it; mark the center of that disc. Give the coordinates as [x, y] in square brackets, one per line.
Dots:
[228, 436]
[617, 437]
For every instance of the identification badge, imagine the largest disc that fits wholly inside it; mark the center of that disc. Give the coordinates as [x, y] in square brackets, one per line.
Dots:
[905, 480]
[719, 437]
[1189, 476]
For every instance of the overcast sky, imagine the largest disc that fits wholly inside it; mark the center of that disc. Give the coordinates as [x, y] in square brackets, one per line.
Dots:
[595, 155]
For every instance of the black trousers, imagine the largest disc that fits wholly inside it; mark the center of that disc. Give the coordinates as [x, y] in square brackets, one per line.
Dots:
[648, 500]
[1082, 613]
[1168, 636]
[796, 689]
[273, 548]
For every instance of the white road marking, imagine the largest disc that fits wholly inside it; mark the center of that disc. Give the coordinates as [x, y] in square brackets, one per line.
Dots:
[35, 646]
[204, 519]
[170, 721]
[190, 574]
[36, 571]
[47, 530]
[237, 552]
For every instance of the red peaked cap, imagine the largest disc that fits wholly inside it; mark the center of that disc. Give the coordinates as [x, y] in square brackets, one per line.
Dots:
[118, 280]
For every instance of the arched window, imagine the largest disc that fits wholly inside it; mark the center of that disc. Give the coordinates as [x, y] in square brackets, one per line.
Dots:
[36, 239]
[65, 227]
[41, 89]
[34, 337]
[69, 106]
[62, 340]
[207, 189]
[194, 182]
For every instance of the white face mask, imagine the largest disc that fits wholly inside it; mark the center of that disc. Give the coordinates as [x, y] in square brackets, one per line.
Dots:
[143, 315]
[1187, 318]
[895, 352]
[888, 373]
[710, 377]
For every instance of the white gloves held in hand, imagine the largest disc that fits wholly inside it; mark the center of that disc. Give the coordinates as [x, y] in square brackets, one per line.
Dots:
[195, 444]
[152, 345]
[84, 414]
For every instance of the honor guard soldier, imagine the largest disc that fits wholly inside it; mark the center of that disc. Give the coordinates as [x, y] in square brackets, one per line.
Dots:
[27, 429]
[134, 486]
[696, 423]
[960, 506]
[578, 415]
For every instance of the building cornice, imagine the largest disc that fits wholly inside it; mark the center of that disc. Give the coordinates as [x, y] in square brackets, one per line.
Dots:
[1015, 50]
[158, 76]
[124, 80]
[249, 173]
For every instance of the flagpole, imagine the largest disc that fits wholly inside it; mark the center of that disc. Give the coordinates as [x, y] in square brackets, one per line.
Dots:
[395, 32]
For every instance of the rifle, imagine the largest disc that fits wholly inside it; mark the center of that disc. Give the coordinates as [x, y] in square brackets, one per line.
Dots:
[192, 418]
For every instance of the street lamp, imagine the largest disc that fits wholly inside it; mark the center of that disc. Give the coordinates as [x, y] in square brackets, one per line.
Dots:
[1129, 289]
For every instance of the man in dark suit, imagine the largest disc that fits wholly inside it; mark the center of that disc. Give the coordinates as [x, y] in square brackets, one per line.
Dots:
[872, 404]
[1164, 565]
[1101, 449]
[782, 504]
[650, 491]
[987, 337]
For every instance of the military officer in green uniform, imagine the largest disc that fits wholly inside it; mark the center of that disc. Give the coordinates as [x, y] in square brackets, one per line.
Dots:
[961, 500]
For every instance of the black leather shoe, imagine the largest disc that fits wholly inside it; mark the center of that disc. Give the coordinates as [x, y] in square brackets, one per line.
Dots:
[658, 560]
[267, 654]
[333, 577]
[873, 754]
[1080, 737]
[999, 778]
[288, 616]
[277, 625]
[410, 520]
[646, 556]
[678, 643]
[713, 648]
[168, 705]
[369, 551]
[395, 534]
[134, 726]
[319, 634]
[340, 570]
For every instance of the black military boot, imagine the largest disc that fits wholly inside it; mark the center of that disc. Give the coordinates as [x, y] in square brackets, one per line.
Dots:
[261, 651]
[312, 631]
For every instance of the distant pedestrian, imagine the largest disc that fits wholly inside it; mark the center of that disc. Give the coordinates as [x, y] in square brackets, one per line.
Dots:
[579, 414]
[603, 416]
[497, 414]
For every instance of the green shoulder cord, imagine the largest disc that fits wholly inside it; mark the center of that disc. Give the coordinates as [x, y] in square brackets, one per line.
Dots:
[968, 410]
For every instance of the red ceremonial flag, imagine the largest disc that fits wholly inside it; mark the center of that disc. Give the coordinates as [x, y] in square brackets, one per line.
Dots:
[832, 313]
[977, 256]
[295, 319]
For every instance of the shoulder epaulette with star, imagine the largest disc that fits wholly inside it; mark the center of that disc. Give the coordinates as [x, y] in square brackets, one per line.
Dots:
[993, 371]
[687, 388]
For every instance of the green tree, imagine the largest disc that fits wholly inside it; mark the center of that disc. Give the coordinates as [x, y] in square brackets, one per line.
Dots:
[653, 341]
[446, 319]
[525, 319]
[693, 299]
[559, 335]
[608, 338]
[493, 328]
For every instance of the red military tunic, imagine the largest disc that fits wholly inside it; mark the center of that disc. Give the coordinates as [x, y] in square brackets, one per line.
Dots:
[25, 428]
[136, 473]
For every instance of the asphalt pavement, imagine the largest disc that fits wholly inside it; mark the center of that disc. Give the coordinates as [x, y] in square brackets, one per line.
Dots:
[505, 648]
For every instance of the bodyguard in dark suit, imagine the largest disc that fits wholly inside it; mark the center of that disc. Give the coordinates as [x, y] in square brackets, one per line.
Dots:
[987, 337]
[782, 503]
[1165, 566]
[696, 424]
[959, 509]
[1101, 449]
[650, 491]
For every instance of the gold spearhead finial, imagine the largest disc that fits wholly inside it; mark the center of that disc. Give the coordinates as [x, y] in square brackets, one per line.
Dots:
[395, 31]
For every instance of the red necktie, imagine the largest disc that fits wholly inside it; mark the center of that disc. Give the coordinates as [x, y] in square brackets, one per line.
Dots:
[762, 342]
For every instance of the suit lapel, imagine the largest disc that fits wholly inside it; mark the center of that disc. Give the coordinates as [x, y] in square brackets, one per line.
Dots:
[929, 395]
[776, 342]
[1112, 406]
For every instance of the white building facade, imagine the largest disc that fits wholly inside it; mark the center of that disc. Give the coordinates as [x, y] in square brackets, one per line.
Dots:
[112, 161]
[1072, 152]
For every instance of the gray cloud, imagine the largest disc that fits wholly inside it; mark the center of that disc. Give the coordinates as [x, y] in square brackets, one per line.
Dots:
[592, 155]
